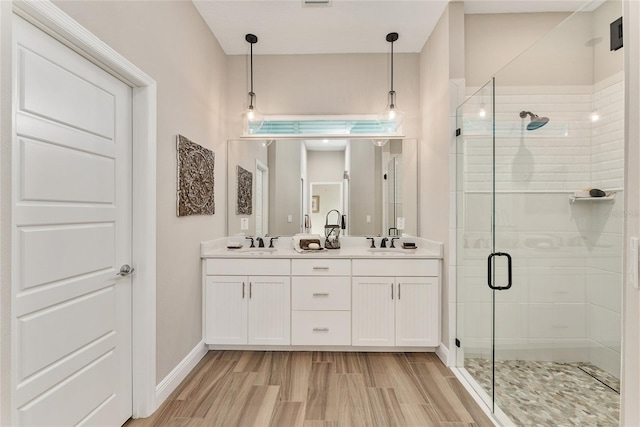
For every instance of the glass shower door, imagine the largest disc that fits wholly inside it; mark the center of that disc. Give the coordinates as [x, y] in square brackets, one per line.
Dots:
[475, 224]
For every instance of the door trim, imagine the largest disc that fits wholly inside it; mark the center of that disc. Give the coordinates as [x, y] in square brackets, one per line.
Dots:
[49, 18]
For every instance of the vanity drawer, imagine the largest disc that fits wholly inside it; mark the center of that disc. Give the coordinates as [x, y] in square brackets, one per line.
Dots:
[320, 293]
[321, 328]
[321, 267]
[248, 266]
[396, 267]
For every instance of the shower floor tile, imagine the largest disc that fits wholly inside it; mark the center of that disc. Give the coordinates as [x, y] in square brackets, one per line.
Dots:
[550, 394]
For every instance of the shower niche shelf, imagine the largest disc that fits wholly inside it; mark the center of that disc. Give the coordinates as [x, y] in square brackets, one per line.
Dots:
[579, 198]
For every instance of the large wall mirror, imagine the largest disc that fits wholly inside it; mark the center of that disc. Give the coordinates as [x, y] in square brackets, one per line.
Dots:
[284, 187]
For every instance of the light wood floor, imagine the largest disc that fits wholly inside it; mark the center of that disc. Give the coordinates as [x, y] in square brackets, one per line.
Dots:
[318, 389]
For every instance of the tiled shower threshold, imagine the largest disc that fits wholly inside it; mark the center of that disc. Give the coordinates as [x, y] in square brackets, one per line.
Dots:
[534, 393]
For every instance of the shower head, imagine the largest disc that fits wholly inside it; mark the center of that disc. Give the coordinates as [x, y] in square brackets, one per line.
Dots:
[536, 121]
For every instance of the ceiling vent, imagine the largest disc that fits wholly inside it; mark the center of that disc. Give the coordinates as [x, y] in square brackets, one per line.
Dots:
[315, 3]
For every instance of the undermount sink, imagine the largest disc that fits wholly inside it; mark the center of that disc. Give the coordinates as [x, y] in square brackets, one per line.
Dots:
[388, 251]
[254, 251]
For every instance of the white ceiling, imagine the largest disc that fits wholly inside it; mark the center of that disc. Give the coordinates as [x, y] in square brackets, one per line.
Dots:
[345, 26]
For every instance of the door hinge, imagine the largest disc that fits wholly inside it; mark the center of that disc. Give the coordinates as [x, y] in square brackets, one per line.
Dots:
[458, 343]
[458, 132]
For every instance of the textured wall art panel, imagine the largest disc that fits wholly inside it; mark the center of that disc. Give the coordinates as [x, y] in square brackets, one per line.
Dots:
[245, 200]
[195, 179]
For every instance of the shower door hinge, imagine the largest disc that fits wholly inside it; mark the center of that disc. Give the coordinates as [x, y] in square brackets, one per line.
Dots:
[458, 132]
[458, 343]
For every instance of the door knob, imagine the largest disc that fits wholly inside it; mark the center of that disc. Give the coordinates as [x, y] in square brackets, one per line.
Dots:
[125, 270]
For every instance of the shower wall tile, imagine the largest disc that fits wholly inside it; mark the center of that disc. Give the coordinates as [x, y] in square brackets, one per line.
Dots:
[557, 289]
[536, 160]
[605, 358]
[604, 327]
[607, 138]
[604, 290]
[571, 350]
[557, 321]
[512, 320]
[476, 320]
[567, 257]
[556, 350]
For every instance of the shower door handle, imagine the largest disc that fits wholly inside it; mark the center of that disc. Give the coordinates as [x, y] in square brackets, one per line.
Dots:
[490, 271]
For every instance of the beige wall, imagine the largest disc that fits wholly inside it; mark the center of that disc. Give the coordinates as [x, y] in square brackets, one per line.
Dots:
[491, 41]
[243, 154]
[169, 41]
[285, 188]
[605, 62]
[365, 186]
[434, 151]
[323, 84]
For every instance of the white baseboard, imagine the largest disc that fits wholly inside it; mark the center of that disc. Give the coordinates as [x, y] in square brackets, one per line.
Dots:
[443, 354]
[179, 373]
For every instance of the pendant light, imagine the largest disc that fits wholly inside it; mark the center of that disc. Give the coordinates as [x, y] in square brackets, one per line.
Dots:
[391, 118]
[252, 118]
[379, 142]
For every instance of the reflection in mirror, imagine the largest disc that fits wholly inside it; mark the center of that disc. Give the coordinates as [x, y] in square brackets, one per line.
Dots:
[298, 182]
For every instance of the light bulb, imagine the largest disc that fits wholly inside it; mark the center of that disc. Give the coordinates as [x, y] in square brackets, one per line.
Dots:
[392, 114]
[595, 117]
[483, 112]
[253, 120]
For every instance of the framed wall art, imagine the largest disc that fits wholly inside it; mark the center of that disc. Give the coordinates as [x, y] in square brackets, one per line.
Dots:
[196, 182]
[244, 205]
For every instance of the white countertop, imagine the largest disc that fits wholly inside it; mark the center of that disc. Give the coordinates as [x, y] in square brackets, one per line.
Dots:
[351, 247]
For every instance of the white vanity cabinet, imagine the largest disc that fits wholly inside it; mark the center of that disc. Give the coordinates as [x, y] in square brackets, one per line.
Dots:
[242, 309]
[321, 302]
[396, 303]
[350, 299]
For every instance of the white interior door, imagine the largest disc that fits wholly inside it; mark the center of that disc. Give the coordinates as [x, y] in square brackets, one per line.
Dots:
[71, 329]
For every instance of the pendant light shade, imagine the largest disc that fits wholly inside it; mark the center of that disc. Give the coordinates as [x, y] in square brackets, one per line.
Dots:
[252, 120]
[379, 142]
[391, 118]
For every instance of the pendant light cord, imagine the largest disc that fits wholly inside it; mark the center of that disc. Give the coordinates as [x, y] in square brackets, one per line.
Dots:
[251, 62]
[392, 37]
[252, 39]
[391, 66]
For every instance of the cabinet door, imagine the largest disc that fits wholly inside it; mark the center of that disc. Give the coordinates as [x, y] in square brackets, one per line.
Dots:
[417, 311]
[373, 311]
[270, 310]
[226, 310]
